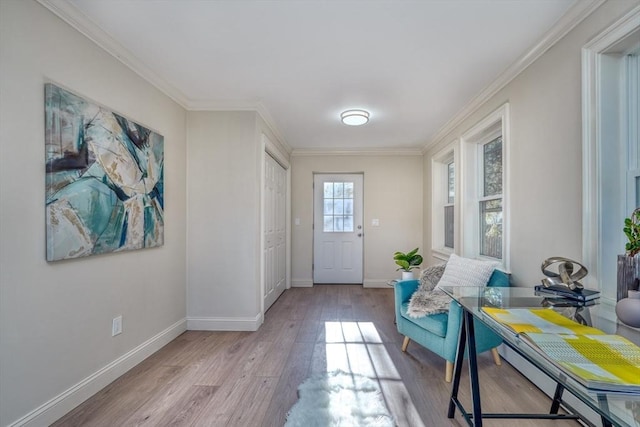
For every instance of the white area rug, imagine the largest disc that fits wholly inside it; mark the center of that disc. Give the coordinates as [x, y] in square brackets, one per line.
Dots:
[339, 399]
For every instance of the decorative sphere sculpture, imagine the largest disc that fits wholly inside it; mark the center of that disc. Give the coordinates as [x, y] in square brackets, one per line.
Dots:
[565, 275]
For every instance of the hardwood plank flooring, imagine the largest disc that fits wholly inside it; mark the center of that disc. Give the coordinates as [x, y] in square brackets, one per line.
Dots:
[250, 378]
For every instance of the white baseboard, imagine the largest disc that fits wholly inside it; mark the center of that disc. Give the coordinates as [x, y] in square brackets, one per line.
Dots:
[376, 284]
[60, 405]
[224, 323]
[301, 283]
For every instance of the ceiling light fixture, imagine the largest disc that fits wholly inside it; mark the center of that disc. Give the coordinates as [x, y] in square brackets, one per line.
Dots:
[354, 117]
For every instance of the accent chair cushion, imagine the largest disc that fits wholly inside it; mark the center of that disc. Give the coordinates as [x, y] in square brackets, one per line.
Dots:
[435, 323]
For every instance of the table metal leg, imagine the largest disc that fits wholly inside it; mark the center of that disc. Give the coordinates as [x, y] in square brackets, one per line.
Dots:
[557, 399]
[457, 370]
[604, 405]
[473, 369]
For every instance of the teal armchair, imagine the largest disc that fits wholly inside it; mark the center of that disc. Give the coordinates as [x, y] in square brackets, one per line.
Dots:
[439, 332]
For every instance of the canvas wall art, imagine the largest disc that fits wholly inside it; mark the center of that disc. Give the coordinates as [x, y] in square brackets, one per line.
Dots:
[104, 179]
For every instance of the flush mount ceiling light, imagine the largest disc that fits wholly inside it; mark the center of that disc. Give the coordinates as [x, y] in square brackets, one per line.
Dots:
[354, 117]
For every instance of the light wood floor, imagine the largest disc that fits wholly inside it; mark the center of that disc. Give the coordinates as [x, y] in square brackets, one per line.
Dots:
[250, 378]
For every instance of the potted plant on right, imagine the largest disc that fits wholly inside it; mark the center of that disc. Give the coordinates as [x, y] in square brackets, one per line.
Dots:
[629, 263]
[407, 262]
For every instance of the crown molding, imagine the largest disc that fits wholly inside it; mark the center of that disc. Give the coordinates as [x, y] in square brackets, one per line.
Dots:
[78, 20]
[271, 124]
[576, 14]
[69, 13]
[299, 152]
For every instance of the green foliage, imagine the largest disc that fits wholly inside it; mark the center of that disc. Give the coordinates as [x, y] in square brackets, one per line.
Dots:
[408, 261]
[632, 231]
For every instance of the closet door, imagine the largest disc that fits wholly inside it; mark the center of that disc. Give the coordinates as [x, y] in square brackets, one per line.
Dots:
[274, 231]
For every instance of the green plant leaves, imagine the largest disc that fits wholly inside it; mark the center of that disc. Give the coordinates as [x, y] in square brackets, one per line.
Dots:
[408, 261]
[632, 231]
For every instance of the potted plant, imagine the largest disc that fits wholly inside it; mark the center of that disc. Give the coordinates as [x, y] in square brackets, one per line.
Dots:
[407, 262]
[629, 263]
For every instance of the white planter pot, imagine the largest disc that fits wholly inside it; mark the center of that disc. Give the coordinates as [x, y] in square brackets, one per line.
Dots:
[628, 309]
[407, 275]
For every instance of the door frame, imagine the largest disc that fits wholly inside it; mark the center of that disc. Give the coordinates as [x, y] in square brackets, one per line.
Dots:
[313, 215]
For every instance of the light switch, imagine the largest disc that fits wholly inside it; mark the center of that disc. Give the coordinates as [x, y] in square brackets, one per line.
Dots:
[375, 222]
[297, 221]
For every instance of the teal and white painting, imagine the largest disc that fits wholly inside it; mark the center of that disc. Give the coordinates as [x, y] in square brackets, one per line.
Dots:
[104, 179]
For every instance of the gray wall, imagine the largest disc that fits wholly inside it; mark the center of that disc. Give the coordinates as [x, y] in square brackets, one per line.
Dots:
[546, 150]
[225, 158]
[56, 317]
[224, 220]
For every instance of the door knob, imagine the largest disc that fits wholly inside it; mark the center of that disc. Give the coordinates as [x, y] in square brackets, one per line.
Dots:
[359, 234]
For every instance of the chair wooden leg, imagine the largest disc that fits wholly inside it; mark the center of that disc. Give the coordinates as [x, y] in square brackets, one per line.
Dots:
[496, 356]
[405, 343]
[448, 373]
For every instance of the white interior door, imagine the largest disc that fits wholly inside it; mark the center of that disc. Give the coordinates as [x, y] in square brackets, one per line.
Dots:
[274, 231]
[337, 228]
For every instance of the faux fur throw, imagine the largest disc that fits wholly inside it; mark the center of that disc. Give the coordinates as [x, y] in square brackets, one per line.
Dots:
[427, 300]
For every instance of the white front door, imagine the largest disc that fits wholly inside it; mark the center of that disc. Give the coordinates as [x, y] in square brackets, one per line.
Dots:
[274, 231]
[337, 228]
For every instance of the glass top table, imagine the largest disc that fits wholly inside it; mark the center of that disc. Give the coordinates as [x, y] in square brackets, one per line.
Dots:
[619, 409]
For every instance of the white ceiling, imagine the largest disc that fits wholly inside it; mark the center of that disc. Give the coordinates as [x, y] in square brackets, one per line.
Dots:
[413, 64]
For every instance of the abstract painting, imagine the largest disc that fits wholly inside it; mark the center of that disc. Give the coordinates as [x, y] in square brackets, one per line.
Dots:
[104, 179]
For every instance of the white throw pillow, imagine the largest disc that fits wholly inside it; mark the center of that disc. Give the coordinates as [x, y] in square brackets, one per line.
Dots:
[467, 272]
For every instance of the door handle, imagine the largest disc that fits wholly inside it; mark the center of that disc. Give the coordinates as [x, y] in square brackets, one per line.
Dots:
[359, 234]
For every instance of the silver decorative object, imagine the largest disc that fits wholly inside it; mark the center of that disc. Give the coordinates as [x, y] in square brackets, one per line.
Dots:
[565, 275]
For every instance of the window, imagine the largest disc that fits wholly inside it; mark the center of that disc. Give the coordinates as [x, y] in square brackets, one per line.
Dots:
[484, 189]
[338, 207]
[491, 199]
[444, 209]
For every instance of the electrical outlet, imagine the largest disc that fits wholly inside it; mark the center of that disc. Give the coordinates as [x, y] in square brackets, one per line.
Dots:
[116, 326]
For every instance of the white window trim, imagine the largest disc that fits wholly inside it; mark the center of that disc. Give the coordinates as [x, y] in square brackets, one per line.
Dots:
[468, 173]
[592, 54]
[439, 195]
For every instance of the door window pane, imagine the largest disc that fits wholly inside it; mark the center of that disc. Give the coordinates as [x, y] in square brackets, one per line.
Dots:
[348, 206]
[338, 207]
[491, 228]
[348, 222]
[328, 190]
[492, 167]
[328, 223]
[348, 190]
[328, 206]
